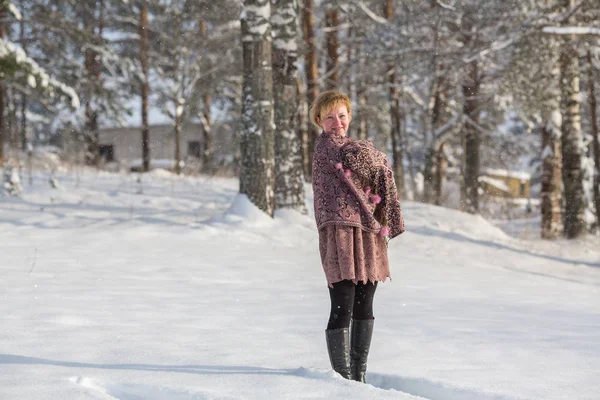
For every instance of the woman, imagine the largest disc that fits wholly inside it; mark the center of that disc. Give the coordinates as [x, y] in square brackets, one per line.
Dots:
[357, 210]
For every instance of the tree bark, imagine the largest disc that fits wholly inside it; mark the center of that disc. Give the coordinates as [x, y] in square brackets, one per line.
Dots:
[178, 122]
[396, 116]
[551, 195]
[289, 176]
[595, 145]
[303, 124]
[312, 92]
[471, 139]
[440, 173]
[2, 90]
[23, 126]
[92, 67]
[145, 86]
[207, 150]
[257, 175]
[433, 147]
[572, 138]
[361, 94]
[331, 21]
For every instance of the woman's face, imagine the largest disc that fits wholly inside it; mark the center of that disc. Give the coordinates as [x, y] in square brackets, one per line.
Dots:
[336, 121]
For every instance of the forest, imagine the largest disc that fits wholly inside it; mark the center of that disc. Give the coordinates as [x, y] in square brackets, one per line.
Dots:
[463, 95]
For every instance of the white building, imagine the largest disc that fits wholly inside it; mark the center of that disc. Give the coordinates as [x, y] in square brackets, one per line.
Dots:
[124, 145]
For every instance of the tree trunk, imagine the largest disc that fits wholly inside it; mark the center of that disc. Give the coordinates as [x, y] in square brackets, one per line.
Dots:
[308, 25]
[472, 140]
[430, 185]
[257, 177]
[145, 86]
[289, 176]
[440, 174]
[303, 124]
[361, 93]
[23, 126]
[178, 122]
[208, 150]
[396, 117]
[551, 195]
[331, 21]
[208, 165]
[92, 67]
[572, 138]
[595, 151]
[363, 115]
[411, 165]
[2, 90]
[551, 189]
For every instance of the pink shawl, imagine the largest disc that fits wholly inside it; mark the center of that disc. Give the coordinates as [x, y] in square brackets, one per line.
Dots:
[353, 185]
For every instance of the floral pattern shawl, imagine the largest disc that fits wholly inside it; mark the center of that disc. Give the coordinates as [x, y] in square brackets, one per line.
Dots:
[354, 186]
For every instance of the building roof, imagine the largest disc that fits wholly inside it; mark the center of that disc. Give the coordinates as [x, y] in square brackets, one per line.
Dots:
[507, 173]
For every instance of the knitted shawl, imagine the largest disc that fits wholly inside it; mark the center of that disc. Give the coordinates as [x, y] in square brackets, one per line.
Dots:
[353, 185]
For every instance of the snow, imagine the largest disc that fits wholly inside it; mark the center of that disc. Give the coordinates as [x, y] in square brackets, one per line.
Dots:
[507, 173]
[571, 30]
[186, 291]
[494, 182]
[15, 11]
[10, 50]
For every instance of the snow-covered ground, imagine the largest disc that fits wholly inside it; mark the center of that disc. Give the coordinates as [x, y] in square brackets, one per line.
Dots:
[115, 288]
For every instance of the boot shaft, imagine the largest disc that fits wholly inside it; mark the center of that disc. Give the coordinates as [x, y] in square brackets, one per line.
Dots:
[338, 347]
[360, 343]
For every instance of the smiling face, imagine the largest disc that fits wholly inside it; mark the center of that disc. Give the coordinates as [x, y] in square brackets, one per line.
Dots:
[336, 120]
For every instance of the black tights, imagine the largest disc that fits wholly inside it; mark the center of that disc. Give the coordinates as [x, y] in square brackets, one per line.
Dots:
[350, 301]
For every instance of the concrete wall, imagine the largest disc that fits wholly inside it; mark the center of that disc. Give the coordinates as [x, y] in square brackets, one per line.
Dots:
[127, 142]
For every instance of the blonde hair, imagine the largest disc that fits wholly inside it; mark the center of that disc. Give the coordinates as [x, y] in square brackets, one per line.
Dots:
[327, 101]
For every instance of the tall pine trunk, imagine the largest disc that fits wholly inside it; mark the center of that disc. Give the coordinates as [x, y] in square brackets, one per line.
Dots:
[289, 176]
[551, 189]
[551, 195]
[92, 67]
[145, 86]
[257, 175]
[303, 124]
[396, 116]
[433, 146]
[178, 123]
[361, 94]
[472, 140]
[331, 37]
[572, 138]
[2, 87]
[310, 65]
[208, 162]
[595, 141]
[23, 105]
[440, 174]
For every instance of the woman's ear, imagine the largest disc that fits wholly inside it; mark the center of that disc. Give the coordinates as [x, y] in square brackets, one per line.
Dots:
[318, 121]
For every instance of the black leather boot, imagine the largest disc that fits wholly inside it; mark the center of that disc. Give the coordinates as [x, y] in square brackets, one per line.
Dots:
[360, 342]
[338, 347]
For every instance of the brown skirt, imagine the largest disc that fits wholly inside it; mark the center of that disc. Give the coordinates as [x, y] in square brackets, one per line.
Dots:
[351, 253]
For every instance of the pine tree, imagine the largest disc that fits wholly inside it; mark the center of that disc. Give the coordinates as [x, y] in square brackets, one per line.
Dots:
[572, 138]
[289, 180]
[257, 172]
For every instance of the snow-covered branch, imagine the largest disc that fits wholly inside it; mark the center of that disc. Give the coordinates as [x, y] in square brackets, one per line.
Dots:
[380, 20]
[34, 74]
[442, 132]
[571, 30]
